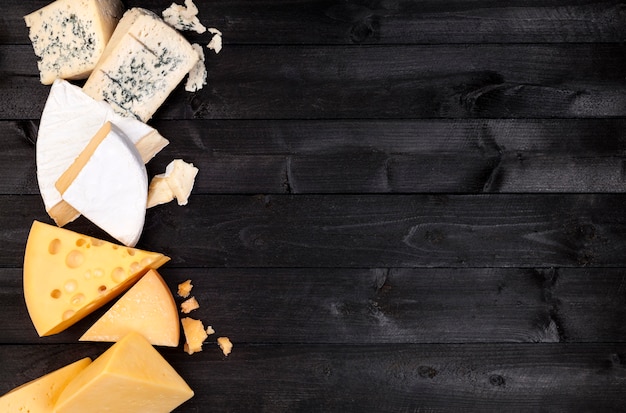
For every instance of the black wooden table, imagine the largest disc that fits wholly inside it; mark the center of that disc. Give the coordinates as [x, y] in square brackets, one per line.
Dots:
[402, 206]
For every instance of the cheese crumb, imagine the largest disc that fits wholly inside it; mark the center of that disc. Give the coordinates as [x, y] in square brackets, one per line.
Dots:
[189, 305]
[195, 334]
[209, 330]
[197, 76]
[159, 192]
[225, 345]
[184, 289]
[184, 17]
[216, 41]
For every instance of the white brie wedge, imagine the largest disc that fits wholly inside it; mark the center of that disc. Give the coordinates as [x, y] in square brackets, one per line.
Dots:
[69, 120]
[108, 184]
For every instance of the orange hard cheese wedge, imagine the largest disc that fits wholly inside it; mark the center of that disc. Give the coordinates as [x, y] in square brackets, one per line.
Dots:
[148, 307]
[68, 275]
[131, 376]
[40, 395]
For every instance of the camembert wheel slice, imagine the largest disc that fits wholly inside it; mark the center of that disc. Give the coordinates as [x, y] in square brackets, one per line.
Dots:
[68, 275]
[108, 184]
[148, 308]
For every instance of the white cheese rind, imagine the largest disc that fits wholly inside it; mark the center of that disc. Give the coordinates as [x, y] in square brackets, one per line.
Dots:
[142, 64]
[69, 120]
[69, 36]
[111, 188]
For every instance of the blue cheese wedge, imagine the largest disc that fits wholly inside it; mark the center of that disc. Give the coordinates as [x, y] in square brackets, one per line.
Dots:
[69, 36]
[184, 17]
[108, 184]
[69, 120]
[143, 62]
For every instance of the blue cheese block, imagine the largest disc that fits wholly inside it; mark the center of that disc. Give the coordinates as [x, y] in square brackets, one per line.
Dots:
[143, 62]
[69, 36]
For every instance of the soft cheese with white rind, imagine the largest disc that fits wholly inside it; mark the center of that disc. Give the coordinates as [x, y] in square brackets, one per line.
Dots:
[40, 395]
[111, 187]
[69, 36]
[69, 120]
[143, 62]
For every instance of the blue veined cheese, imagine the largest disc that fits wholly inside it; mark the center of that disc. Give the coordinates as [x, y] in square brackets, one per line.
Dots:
[184, 17]
[69, 36]
[197, 76]
[143, 62]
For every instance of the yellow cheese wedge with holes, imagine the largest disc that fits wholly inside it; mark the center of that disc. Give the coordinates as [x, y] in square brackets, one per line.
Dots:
[68, 275]
[40, 395]
[131, 376]
[148, 308]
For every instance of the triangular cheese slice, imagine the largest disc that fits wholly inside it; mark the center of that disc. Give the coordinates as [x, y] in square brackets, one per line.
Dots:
[108, 184]
[68, 275]
[131, 376]
[148, 308]
[40, 395]
[69, 120]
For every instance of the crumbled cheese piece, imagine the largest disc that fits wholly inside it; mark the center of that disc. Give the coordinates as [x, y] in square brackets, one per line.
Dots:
[225, 345]
[209, 330]
[189, 305]
[159, 192]
[216, 41]
[195, 334]
[197, 76]
[184, 289]
[184, 17]
[179, 176]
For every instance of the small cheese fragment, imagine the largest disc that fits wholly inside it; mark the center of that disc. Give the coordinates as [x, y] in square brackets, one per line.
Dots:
[184, 17]
[141, 65]
[69, 36]
[40, 395]
[216, 41]
[210, 330]
[108, 184]
[159, 192]
[131, 376]
[148, 308]
[68, 275]
[184, 288]
[189, 305]
[197, 76]
[69, 121]
[195, 334]
[225, 345]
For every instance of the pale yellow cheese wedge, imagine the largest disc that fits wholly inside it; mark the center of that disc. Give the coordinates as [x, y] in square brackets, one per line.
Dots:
[148, 308]
[131, 376]
[40, 395]
[67, 275]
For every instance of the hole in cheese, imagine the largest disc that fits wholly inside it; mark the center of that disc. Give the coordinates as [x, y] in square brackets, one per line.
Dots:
[80, 242]
[68, 314]
[74, 259]
[55, 246]
[96, 242]
[55, 293]
[118, 274]
[98, 272]
[70, 286]
[102, 289]
[78, 299]
[130, 251]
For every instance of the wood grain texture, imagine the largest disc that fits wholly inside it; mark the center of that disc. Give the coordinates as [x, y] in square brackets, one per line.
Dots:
[383, 22]
[403, 82]
[387, 378]
[380, 305]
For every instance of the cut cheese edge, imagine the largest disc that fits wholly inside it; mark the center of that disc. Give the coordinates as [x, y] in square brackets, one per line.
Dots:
[69, 36]
[68, 275]
[131, 376]
[148, 308]
[108, 184]
[69, 121]
[142, 47]
[41, 394]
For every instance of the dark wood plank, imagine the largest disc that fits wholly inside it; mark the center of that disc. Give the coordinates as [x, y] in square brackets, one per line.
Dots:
[383, 22]
[365, 230]
[299, 157]
[374, 306]
[339, 82]
[384, 378]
